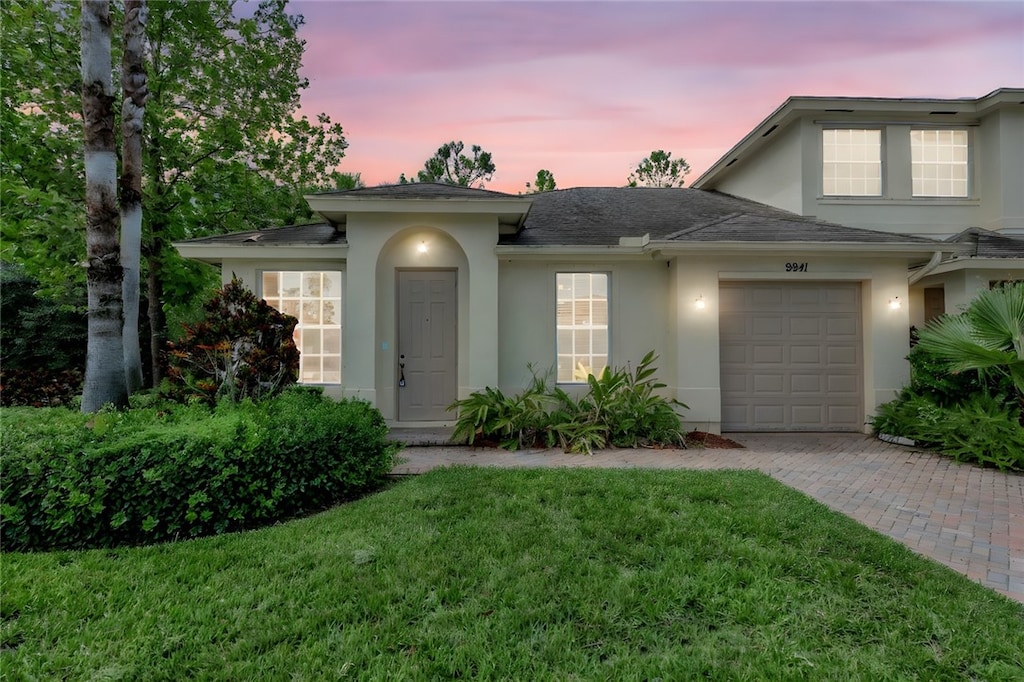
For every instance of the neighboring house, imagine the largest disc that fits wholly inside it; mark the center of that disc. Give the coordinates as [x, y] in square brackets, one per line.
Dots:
[411, 296]
[946, 169]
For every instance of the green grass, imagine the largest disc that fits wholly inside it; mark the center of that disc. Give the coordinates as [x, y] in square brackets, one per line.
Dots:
[526, 575]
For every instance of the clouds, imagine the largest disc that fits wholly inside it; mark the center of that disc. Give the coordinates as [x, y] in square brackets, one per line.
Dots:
[586, 89]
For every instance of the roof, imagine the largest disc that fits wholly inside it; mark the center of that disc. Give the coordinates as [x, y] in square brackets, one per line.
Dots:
[596, 216]
[601, 216]
[989, 244]
[418, 190]
[315, 234]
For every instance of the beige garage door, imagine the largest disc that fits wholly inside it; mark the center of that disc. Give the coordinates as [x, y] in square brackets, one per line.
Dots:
[791, 356]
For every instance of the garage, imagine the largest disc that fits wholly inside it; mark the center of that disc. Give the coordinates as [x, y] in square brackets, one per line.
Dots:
[791, 356]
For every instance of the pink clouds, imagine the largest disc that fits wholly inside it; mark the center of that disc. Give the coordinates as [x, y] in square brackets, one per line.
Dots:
[585, 89]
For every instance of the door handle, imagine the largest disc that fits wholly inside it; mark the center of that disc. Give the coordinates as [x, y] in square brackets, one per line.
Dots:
[401, 374]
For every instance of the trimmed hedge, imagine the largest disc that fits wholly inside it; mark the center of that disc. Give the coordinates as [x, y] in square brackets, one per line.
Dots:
[73, 481]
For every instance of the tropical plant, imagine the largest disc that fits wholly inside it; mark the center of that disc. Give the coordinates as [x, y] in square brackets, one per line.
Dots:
[620, 408]
[987, 337]
[243, 349]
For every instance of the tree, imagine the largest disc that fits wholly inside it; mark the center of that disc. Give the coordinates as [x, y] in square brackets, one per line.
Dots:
[545, 182]
[659, 170]
[451, 167]
[104, 373]
[988, 336]
[224, 148]
[133, 106]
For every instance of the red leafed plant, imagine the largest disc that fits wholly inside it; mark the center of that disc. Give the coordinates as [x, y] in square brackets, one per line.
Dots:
[243, 349]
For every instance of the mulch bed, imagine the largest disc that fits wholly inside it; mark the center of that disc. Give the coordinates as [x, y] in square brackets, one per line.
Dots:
[711, 441]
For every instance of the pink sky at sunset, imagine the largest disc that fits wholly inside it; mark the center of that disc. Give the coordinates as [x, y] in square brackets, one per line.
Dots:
[587, 89]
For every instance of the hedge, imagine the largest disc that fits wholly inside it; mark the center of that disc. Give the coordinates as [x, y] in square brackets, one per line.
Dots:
[73, 481]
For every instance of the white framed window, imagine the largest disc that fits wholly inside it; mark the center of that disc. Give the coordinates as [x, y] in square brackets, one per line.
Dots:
[851, 162]
[581, 325]
[939, 162]
[314, 298]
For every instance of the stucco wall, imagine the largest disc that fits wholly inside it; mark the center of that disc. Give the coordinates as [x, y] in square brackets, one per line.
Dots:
[639, 317]
[773, 176]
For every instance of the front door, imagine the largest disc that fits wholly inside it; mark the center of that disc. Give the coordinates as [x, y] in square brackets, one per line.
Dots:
[427, 330]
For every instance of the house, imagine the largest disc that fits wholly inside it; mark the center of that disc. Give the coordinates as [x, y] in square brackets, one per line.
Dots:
[765, 315]
[945, 169]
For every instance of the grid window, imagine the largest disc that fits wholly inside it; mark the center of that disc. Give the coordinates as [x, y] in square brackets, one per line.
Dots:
[315, 299]
[939, 162]
[851, 162]
[581, 325]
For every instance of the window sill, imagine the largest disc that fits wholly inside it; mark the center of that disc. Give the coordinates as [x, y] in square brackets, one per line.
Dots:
[915, 201]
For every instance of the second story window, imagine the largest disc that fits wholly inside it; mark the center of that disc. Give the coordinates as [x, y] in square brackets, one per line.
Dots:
[939, 162]
[851, 162]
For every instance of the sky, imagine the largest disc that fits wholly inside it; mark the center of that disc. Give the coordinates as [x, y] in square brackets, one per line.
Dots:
[587, 89]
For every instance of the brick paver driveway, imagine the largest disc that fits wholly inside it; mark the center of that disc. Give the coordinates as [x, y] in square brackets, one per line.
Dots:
[968, 518]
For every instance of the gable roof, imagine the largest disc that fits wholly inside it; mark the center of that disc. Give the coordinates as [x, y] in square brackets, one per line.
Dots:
[596, 216]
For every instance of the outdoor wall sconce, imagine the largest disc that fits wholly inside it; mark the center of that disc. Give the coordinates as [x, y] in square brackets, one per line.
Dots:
[699, 303]
[894, 303]
[422, 248]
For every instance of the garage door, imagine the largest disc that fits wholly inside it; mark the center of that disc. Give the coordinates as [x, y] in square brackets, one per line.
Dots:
[791, 356]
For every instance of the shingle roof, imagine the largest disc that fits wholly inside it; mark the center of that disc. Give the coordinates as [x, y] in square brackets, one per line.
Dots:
[601, 215]
[316, 234]
[420, 190]
[988, 244]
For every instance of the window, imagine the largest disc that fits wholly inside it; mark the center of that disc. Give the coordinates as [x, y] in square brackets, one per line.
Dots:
[315, 299]
[939, 162]
[582, 325]
[851, 162]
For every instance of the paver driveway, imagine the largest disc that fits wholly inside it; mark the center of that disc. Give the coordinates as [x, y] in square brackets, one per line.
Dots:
[966, 517]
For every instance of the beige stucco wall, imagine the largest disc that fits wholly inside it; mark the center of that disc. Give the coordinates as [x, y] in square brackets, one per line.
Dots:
[696, 343]
[638, 316]
[773, 176]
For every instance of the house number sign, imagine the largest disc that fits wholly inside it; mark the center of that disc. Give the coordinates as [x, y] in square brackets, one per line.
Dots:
[796, 267]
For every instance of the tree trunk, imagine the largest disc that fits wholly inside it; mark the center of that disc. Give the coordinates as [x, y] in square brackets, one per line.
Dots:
[104, 364]
[157, 323]
[134, 90]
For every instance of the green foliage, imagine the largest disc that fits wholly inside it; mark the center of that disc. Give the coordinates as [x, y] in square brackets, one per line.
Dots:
[170, 472]
[450, 166]
[987, 337]
[965, 396]
[38, 331]
[983, 428]
[620, 408]
[545, 182]
[243, 349]
[659, 170]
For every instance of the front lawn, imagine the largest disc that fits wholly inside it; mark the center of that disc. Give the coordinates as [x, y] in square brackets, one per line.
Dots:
[527, 575]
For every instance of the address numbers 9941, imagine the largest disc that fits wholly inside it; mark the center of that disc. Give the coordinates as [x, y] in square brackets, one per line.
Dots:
[796, 267]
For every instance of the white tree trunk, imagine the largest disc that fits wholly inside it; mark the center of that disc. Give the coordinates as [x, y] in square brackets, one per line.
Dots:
[134, 91]
[104, 364]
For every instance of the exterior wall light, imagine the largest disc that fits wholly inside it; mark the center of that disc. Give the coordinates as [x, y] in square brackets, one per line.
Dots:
[699, 303]
[422, 248]
[894, 303]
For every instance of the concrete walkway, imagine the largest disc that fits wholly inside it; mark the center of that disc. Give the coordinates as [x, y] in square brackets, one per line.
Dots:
[966, 517]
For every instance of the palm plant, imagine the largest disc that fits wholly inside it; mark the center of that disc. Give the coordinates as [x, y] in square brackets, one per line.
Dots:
[988, 337]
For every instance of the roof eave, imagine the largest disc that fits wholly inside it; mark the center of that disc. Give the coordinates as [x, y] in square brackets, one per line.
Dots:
[215, 254]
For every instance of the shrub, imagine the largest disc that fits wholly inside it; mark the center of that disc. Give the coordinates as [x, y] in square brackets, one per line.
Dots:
[243, 349]
[620, 408]
[42, 342]
[169, 472]
[984, 428]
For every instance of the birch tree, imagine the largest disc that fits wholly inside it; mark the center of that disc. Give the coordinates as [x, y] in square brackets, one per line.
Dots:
[133, 106]
[104, 364]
